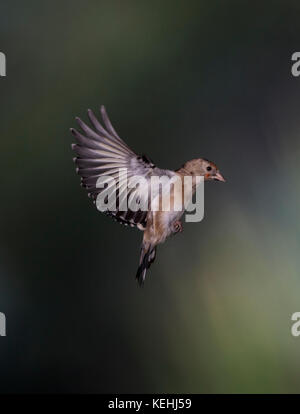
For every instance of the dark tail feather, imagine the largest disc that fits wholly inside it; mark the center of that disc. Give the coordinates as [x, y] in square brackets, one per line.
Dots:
[147, 257]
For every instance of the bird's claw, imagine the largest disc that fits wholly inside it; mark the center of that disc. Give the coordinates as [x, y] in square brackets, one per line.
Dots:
[177, 226]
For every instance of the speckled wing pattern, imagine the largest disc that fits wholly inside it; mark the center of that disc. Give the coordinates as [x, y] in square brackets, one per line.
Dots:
[101, 152]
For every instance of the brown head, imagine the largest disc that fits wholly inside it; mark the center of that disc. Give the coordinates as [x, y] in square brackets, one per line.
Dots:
[203, 167]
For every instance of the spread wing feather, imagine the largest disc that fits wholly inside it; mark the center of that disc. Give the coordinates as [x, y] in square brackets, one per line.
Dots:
[100, 152]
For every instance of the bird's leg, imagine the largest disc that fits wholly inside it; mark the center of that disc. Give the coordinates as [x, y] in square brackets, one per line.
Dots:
[177, 226]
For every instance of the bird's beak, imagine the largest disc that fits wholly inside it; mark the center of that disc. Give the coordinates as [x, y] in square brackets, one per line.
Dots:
[219, 177]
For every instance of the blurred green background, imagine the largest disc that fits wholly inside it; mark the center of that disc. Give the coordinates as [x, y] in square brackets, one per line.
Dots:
[180, 79]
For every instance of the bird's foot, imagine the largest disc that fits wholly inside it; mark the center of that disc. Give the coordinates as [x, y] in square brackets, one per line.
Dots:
[177, 226]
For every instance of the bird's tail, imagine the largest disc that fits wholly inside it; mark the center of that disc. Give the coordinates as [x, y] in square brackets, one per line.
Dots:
[147, 257]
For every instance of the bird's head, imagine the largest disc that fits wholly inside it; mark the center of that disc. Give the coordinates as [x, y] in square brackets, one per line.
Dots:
[205, 168]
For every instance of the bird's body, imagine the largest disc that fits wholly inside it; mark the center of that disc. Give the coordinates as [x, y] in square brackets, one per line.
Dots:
[160, 223]
[103, 154]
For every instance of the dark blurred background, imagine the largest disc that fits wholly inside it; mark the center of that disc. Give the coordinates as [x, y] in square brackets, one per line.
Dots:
[180, 79]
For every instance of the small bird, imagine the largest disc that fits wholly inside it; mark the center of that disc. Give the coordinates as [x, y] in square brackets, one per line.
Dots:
[101, 152]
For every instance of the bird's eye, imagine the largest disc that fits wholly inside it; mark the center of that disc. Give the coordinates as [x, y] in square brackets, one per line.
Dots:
[208, 168]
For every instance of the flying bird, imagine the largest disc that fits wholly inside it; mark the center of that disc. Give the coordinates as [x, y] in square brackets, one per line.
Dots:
[100, 152]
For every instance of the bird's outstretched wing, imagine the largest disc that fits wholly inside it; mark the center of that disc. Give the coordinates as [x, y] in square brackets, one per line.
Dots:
[102, 153]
